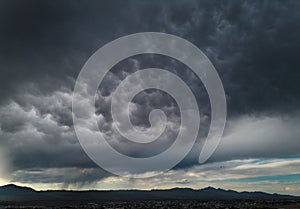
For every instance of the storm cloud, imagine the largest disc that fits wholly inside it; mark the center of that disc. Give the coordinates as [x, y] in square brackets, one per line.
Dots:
[254, 46]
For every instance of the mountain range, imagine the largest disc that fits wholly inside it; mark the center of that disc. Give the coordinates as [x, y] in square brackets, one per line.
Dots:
[12, 192]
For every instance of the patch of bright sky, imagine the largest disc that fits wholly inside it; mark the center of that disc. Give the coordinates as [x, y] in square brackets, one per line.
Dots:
[268, 175]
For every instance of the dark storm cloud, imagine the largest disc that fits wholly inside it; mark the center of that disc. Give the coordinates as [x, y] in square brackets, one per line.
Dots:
[148, 100]
[251, 43]
[254, 46]
[263, 38]
[45, 41]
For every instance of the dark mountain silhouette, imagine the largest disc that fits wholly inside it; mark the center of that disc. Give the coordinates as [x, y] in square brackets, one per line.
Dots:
[11, 191]
[15, 193]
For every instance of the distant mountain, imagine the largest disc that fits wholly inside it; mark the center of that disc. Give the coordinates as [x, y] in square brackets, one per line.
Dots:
[15, 193]
[11, 191]
[14, 189]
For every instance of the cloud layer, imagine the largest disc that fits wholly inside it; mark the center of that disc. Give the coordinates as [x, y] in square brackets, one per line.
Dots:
[254, 46]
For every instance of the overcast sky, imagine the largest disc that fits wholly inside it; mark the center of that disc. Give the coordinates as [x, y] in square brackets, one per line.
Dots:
[254, 46]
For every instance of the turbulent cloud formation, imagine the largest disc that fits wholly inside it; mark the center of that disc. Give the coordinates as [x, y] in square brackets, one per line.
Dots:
[253, 45]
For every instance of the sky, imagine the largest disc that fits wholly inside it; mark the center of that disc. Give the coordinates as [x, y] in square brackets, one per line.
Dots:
[254, 46]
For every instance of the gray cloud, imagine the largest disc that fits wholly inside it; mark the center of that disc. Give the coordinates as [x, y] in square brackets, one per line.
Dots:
[253, 44]
[260, 137]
